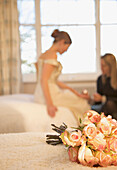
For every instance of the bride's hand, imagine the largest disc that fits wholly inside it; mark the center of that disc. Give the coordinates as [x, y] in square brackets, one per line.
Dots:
[85, 95]
[51, 110]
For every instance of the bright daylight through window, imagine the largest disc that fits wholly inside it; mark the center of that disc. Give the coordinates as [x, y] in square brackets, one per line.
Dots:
[92, 25]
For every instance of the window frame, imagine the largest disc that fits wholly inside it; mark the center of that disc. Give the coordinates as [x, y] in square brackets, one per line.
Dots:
[68, 77]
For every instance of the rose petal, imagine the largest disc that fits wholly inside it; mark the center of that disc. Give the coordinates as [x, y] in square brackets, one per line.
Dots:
[81, 154]
[90, 159]
[73, 154]
[86, 157]
[90, 131]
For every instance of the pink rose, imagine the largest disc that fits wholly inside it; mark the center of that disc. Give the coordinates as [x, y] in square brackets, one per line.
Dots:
[83, 139]
[105, 159]
[90, 131]
[102, 115]
[86, 157]
[114, 159]
[114, 132]
[98, 142]
[91, 117]
[112, 142]
[71, 138]
[105, 126]
[73, 154]
[112, 121]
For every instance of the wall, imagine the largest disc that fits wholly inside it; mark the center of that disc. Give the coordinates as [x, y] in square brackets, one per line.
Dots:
[79, 86]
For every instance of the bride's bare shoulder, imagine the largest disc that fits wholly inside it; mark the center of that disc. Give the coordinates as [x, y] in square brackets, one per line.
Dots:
[48, 55]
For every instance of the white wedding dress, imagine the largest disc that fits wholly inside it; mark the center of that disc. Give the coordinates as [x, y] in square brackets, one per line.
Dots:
[60, 97]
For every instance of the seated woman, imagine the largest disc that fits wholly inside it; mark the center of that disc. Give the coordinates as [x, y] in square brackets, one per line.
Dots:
[49, 90]
[106, 96]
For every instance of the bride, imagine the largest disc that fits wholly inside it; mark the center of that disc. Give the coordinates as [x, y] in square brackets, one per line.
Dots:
[52, 92]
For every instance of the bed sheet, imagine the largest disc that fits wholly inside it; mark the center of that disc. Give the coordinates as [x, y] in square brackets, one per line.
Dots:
[18, 113]
[18, 97]
[29, 151]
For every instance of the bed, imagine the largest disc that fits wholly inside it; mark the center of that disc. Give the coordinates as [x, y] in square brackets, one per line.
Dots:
[28, 151]
[18, 113]
[22, 138]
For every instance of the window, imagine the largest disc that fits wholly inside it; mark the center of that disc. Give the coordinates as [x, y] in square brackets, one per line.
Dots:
[70, 16]
[27, 37]
[108, 19]
[92, 28]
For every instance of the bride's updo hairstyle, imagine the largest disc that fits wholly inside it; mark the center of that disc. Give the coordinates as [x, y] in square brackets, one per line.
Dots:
[61, 35]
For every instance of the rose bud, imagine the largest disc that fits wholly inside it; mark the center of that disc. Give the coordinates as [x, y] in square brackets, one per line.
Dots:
[90, 131]
[86, 157]
[105, 126]
[71, 138]
[105, 159]
[73, 154]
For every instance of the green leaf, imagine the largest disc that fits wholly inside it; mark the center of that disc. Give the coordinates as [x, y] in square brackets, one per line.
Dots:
[80, 120]
[62, 137]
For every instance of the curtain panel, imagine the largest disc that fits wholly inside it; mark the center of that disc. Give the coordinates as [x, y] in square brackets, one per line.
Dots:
[9, 48]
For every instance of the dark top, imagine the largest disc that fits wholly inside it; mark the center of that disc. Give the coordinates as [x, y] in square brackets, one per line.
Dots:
[106, 89]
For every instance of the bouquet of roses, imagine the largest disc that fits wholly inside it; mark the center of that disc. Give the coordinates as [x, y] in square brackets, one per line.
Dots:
[93, 143]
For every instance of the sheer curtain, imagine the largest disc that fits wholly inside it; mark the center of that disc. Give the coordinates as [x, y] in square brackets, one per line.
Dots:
[9, 48]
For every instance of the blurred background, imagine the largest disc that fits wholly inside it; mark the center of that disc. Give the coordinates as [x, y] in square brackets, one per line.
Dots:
[92, 25]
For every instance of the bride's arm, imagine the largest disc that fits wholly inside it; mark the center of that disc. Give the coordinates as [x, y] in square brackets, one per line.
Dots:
[64, 86]
[46, 72]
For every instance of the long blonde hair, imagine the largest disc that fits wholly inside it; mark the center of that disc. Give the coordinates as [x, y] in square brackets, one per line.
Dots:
[110, 60]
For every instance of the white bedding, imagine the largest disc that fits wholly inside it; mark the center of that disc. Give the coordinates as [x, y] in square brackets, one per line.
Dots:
[18, 113]
[17, 97]
[28, 151]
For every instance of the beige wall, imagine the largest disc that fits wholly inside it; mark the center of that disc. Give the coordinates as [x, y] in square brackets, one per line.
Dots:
[28, 88]
[79, 86]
